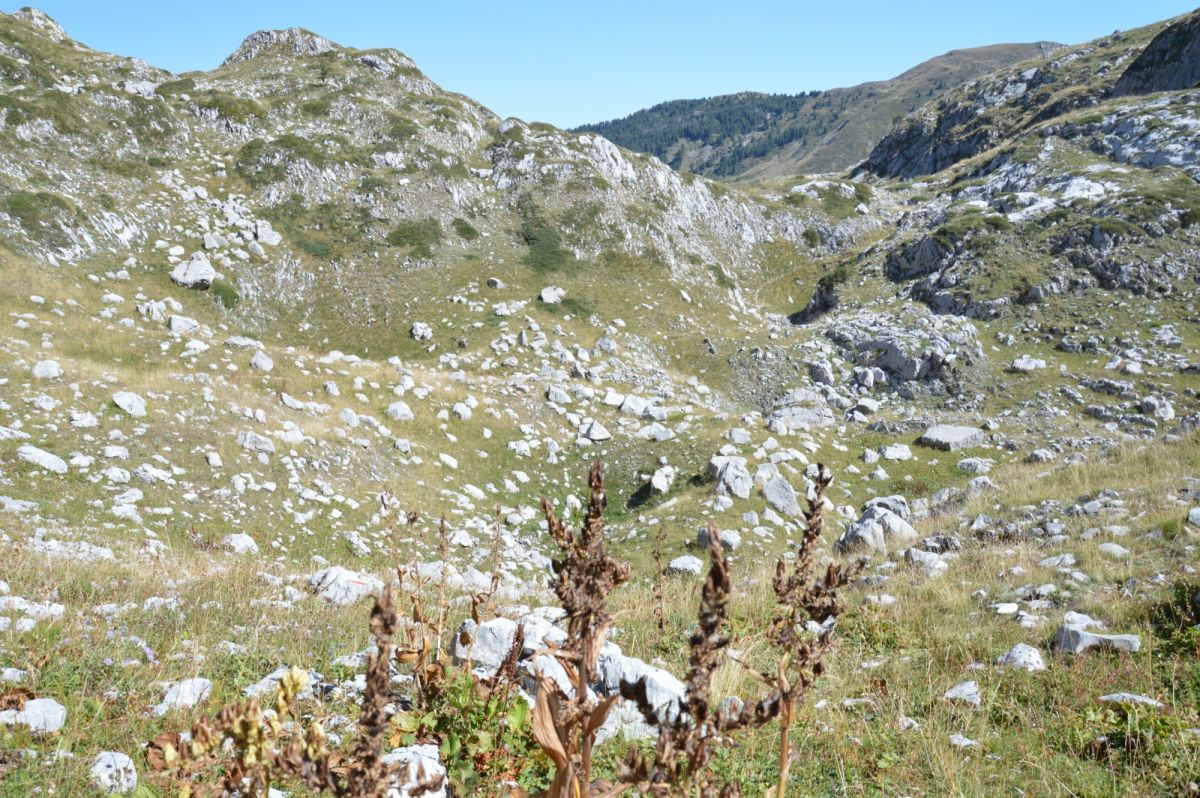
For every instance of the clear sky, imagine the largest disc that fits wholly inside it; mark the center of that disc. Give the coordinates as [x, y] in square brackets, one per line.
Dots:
[571, 62]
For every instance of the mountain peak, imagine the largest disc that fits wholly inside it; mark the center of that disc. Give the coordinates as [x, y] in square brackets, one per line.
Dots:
[294, 41]
[44, 23]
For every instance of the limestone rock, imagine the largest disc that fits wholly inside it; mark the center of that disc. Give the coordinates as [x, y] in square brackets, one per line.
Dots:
[1026, 364]
[662, 480]
[1022, 656]
[130, 402]
[1130, 699]
[47, 370]
[262, 361]
[413, 767]
[734, 480]
[399, 411]
[951, 438]
[730, 539]
[339, 585]
[240, 543]
[552, 295]
[965, 693]
[876, 530]
[184, 695]
[594, 431]
[687, 564]
[114, 773]
[42, 459]
[780, 495]
[489, 643]
[39, 715]
[253, 442]
[195, 272]
[1075, 640]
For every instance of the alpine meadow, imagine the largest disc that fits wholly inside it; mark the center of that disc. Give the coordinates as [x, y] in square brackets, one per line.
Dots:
[358, 441]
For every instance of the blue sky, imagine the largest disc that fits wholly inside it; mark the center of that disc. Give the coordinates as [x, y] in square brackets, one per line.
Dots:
[571, 62]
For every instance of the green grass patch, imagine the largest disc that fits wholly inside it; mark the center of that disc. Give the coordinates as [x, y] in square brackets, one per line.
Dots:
[419, 237]
[466, 231]
[325, 231]
[581, 307]
[318, 108]
[38, 213]
[402, 128]
[546, 252]
[54, 106]
[173, 88]
[231, 107]
[262, 162]
[225, 293]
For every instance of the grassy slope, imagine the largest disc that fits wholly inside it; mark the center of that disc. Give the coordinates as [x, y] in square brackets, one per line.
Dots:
[1034, 729]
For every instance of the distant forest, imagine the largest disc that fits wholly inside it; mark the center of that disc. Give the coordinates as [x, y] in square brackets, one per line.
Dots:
[748, 122]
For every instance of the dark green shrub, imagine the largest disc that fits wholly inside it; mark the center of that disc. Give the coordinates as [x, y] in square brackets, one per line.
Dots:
[577, 306]
[371, 184]
[464, 229]
[263, 162]
[721, 277]
[174, 87]
[228, 106]
[317, 108]
[402, 129]
[54, 106]
[225, 293]
[1000, 223]
[34, 209]
[328, 230]
[836, 277]
[1118, 228]
[419, 237]
[546, 253]
[1055, 216]
[39, 213]
[124, 167]
[968, 225]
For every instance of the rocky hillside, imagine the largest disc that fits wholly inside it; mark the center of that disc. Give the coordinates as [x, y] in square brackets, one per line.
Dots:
[982, 114]
[354, 157]
[267, 325]
[753, 136]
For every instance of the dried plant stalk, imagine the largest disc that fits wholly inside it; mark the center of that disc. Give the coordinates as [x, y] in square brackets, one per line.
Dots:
[565, 725]
[660, 582]
[261, 750]
[684, 746]
[683, 750]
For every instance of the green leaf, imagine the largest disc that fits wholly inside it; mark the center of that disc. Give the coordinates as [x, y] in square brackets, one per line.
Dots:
[408, 721]
[518, 716]
[450, 747]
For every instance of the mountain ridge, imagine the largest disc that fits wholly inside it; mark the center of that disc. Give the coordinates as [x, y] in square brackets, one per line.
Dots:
[750, 135]
[283, 333]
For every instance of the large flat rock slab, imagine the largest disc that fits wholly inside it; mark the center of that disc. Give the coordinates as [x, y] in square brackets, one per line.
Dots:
[952, 437]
